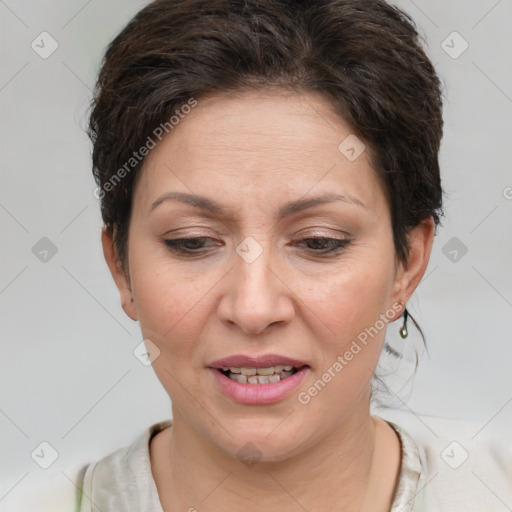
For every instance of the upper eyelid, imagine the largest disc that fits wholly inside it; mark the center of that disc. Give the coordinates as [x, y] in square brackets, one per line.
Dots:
[295, 239]
[197, 232]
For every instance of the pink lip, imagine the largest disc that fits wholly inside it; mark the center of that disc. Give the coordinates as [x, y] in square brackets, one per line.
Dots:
[258, 394]
[241, 361]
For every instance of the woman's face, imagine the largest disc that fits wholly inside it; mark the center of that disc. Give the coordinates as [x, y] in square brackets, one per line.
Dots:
[262, 176]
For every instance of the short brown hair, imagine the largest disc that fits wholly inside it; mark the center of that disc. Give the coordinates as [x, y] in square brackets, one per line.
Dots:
[364, 56]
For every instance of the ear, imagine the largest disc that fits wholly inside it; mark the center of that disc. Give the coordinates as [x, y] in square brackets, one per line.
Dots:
[408, 277]
[118, 273]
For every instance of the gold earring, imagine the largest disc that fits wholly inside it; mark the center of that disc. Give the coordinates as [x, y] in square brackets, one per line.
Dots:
[403, 330]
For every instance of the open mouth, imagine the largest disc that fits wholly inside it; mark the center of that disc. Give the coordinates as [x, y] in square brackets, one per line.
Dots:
[258, 380]
[269, 375]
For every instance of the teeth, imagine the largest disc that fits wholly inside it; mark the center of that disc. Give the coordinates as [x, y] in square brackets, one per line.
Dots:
[259, 371]
[259, 375]
[265, 371]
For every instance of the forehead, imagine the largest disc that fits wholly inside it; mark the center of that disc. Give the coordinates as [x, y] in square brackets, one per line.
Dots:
[275, 122]
[262, 144]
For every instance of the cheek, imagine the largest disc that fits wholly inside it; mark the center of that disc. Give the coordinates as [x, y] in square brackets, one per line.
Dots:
[170, 300]
[350, 300]
[172, 309]
[348, 346]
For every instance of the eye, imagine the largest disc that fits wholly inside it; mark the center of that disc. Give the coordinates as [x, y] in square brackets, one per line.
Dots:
[187, 245]
[323, 245]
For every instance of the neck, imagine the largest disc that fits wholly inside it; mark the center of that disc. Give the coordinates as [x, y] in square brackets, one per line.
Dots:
[335, 474]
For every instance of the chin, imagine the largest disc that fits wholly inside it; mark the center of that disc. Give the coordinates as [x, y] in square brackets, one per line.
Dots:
[252, 451]
[263, 444]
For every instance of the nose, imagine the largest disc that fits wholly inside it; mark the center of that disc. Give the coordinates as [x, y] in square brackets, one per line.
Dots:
[257, 297]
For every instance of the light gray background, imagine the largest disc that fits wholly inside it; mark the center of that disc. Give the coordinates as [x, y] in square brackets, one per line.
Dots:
[68, 375]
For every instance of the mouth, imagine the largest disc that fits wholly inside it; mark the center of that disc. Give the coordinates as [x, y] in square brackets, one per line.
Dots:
[268, 375]
[258, 380]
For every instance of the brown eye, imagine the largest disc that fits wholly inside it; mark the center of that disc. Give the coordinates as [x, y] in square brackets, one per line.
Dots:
[187, 245]
[323, 245]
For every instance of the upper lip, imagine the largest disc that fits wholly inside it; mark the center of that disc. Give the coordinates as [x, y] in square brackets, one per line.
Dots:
[264, 361]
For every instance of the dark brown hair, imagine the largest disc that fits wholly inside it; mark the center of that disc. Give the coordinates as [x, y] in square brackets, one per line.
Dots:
[364, 56]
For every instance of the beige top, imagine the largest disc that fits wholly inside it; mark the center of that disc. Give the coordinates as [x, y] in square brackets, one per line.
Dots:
[123, 481]
[447, 466]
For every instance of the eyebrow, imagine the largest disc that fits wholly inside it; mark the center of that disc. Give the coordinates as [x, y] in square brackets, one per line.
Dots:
[293, 207]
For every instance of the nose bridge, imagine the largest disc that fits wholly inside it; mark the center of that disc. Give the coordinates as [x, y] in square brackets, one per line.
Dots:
[252, 268]
[255, 295]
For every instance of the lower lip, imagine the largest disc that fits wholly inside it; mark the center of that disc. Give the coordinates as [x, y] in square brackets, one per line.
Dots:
[257, 394]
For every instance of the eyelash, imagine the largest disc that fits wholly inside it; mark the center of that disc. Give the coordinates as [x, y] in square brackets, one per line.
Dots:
[175, 245]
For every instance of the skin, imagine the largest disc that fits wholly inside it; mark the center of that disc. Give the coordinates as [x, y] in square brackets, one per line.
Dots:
[253, 152]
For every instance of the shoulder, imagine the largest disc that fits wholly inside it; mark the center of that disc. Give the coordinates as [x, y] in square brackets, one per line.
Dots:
[463, 466]
[123, 479]
[120, 481]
